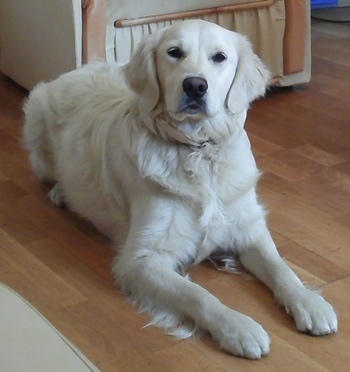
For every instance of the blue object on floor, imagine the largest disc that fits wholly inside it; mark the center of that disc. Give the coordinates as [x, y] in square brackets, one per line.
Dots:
[323, 3]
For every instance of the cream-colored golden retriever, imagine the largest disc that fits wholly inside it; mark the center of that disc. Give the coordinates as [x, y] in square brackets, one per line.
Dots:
[154, 154]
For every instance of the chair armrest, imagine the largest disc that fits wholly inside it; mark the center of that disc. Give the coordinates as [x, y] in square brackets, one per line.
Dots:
[94, 13]
[296, 35]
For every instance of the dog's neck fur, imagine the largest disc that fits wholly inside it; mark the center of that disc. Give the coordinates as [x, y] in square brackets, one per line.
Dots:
[183, 159]
[217, 130]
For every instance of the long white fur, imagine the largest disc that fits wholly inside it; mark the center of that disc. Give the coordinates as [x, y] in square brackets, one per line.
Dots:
[168, 186]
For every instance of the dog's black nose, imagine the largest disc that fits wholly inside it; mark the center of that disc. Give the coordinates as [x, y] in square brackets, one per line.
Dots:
[195, 87]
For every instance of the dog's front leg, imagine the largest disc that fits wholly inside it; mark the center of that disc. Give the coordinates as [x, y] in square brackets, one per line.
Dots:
[312, 314]
[153, 282]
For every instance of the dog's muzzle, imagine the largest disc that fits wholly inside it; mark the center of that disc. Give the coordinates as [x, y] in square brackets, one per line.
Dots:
[194, 90]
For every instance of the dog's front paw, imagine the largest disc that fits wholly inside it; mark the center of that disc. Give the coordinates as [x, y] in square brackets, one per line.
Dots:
[241, 336]
[313, 315]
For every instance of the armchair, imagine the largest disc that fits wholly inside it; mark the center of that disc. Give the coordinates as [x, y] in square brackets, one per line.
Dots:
[41, 40]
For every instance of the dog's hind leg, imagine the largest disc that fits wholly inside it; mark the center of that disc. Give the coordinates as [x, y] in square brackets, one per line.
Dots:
[41, 164]
[35, 134]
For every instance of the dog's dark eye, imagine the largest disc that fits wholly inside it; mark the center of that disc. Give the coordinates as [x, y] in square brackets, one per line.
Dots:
[219, 57]
[175, 52]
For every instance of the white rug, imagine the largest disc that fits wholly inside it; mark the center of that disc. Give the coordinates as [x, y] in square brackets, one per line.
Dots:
[29, 343]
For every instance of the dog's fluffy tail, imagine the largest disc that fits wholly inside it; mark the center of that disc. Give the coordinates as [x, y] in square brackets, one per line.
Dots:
[35, 134]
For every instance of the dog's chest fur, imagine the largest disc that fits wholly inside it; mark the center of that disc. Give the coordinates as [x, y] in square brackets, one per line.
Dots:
[210, 180]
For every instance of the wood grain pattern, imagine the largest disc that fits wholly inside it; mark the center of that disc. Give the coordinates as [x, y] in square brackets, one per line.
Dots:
[301, 139]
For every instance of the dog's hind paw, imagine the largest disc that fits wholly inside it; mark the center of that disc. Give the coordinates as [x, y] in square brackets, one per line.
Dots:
[56, 195]
[241, 336]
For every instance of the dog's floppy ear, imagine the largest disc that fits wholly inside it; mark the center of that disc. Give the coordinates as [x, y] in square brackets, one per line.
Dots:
[141, 72]
[251, 78]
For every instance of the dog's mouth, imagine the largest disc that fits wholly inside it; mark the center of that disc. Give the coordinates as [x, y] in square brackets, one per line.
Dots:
[193, 107]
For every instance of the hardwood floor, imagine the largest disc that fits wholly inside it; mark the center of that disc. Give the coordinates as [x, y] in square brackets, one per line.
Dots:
[301, 139]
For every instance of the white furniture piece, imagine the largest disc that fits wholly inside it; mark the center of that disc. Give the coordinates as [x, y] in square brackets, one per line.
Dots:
[42, 39]
[39, 39]
[30, 343]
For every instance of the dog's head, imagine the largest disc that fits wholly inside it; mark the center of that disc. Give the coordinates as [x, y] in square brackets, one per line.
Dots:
[195, 70]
